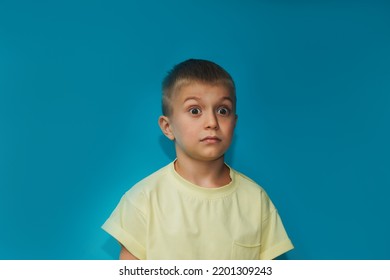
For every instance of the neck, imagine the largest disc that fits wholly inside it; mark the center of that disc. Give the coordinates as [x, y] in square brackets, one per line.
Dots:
[207, 174]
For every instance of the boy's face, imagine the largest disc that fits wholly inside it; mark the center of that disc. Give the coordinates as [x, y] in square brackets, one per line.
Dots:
[202, 121]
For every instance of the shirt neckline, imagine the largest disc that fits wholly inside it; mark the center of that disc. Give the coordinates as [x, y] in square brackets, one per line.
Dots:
[202, 192]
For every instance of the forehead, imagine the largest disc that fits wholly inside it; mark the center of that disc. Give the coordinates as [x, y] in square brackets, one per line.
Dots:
[203, 91]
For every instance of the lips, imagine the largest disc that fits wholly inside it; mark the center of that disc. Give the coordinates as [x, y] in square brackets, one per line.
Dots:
[210, 139]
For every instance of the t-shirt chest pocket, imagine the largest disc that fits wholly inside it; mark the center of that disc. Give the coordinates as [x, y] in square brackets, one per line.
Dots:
[242, 251]
[246, 243]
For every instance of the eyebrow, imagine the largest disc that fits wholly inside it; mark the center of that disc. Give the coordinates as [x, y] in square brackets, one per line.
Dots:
[198, 99]
[190, 98]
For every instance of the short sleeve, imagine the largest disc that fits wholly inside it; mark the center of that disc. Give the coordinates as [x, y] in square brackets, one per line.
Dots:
[127, 224]
[274, 238]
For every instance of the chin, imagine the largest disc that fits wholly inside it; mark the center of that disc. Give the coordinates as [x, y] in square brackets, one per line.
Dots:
[212, 158]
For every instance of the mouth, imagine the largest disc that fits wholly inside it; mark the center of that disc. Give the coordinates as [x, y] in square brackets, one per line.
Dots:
[210, 139]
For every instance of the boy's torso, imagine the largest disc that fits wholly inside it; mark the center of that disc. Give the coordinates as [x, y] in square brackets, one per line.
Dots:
[184, 221]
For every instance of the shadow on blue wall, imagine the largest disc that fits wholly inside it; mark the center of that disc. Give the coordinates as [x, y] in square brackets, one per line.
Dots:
[111, 248]
[167, 146]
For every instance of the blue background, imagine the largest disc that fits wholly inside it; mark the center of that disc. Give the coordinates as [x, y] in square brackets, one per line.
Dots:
[80, 98]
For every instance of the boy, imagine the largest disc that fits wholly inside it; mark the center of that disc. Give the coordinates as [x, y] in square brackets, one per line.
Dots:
[198, 207]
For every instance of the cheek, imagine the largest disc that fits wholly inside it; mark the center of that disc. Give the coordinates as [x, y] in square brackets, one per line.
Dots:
[229, 127]
[184, 130]
[190, 132]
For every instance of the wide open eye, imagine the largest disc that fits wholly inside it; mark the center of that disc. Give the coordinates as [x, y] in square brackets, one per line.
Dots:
[223, 111]
[194, 111]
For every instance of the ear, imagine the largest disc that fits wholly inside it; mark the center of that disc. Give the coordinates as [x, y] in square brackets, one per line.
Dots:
[165, 126]
[235, 120]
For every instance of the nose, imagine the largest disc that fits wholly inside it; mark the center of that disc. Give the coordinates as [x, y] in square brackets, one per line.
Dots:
[211, 121]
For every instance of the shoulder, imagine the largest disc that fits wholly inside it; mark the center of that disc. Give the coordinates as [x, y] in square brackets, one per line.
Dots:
[151, 181]
[252, 190]
[148, 185]
[246, 183]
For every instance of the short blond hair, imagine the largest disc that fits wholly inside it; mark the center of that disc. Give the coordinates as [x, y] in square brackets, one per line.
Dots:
[194, 70]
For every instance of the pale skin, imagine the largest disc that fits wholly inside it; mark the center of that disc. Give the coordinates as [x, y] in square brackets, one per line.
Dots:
[201, 125]
[126, 255]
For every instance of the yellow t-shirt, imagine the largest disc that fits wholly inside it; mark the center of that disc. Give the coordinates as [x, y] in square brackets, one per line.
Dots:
[165, 216]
